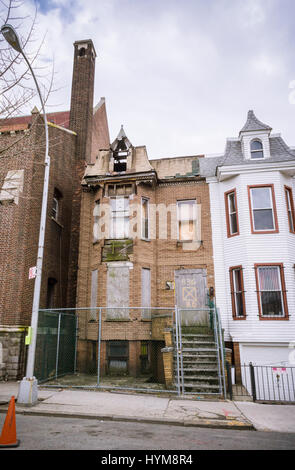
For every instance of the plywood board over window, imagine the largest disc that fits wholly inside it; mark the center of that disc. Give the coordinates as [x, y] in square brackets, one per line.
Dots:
[117, 292]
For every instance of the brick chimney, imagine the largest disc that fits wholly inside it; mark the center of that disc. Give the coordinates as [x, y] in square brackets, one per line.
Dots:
[81, 113]
[81, 116]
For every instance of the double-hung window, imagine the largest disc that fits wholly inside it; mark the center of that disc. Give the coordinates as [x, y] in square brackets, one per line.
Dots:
[119, 217]
[237, 292]
[290, 208]
[231, 213]
[145, 218]
[187, 220]
[262, 209]
[256, 149]
[271, 292]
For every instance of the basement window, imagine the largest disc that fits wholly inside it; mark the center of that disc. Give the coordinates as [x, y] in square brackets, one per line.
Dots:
[118, 357]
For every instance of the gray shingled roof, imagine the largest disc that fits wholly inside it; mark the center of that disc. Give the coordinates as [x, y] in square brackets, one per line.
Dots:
[279, 152]
[253, 124]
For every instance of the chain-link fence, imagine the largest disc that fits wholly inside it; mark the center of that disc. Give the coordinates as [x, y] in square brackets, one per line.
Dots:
[113, 347]
[56, 345]
[130, 348]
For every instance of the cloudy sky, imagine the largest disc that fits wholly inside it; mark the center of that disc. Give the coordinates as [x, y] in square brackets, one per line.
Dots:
[179, 75]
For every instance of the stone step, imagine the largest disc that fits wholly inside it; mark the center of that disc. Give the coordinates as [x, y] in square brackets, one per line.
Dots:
[198, 345]
[201, 380]
[200, 370]
[189, 387]
[199, 350]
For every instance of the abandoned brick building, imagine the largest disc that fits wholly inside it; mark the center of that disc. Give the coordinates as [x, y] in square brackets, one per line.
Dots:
[145, 229]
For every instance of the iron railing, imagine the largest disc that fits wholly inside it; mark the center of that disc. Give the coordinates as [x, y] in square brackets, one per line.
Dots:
[262, 383]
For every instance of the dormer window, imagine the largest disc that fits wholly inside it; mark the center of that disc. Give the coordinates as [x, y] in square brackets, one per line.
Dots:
[256, 149]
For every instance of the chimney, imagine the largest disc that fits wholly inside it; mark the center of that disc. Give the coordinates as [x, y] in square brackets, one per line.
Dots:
[81, 113]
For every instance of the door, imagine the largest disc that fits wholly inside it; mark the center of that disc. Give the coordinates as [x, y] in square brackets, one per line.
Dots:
[191, 296]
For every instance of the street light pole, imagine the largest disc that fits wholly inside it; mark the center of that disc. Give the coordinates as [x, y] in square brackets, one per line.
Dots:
[28, 390]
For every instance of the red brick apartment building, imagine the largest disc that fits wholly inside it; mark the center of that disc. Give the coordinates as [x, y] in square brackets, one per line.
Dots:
[22, 149]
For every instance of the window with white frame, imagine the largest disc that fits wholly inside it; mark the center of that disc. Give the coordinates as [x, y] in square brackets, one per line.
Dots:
[145, 218]
[256, 149]
[119, 217]
[262, 208]
[187, 220]
[271, 291]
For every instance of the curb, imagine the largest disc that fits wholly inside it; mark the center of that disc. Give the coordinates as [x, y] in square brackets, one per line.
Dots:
[201, 423]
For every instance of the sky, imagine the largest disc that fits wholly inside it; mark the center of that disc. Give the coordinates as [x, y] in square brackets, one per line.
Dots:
[179, 75]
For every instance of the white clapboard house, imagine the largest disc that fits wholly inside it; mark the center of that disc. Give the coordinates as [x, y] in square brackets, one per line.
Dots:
[252, 189]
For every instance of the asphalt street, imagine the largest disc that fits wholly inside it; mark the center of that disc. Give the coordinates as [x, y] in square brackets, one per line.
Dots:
[51, 433]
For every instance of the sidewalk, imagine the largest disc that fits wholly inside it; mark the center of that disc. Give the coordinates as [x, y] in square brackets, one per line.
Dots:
[152, 409]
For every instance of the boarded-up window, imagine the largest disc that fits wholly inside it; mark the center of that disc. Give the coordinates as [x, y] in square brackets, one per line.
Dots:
[146, 292]
[118, 292]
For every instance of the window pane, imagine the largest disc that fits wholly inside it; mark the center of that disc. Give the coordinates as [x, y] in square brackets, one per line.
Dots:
[289, 209]
[239, 304]
[263, 220]
[145, 227]
[257, 154]
[271, 303]
[261, 198]
[233, 224]
[256, 145]
[269, 278]
[238, 280]
[232, 202]
[291, 221]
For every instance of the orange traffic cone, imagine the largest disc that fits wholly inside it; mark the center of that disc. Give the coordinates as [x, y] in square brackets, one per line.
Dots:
[8, 435]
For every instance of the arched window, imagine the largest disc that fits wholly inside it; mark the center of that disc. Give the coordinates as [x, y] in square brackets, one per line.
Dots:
[256, 149]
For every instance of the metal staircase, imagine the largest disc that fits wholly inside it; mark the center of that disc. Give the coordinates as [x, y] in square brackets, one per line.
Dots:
[199, 358]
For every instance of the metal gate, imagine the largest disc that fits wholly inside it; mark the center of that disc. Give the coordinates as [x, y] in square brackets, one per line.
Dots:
[262, 383]
[56, 345]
